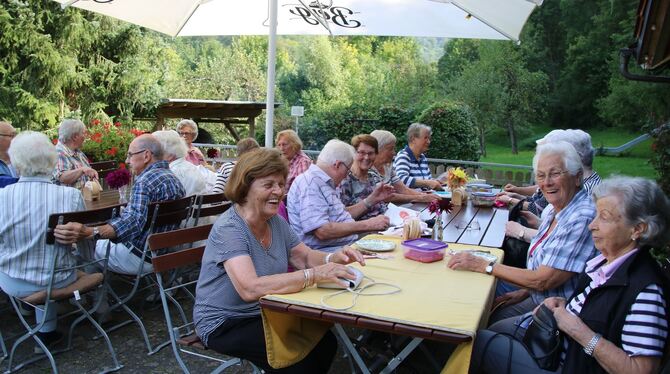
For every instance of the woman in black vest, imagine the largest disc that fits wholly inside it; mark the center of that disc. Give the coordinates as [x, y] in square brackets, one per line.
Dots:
[616, 320]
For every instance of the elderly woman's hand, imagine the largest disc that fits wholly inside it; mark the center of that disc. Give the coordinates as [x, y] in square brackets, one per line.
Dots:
[514, 229]
[382, 192]
[347, 255]
[466, 261]
[512, 297]
[90, 172]
[332, 272]
[567, 322]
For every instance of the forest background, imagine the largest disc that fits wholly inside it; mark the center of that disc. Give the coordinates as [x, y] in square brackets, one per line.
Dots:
[60, 63]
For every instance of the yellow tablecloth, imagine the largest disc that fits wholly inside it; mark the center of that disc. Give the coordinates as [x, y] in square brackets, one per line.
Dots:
[432, 296]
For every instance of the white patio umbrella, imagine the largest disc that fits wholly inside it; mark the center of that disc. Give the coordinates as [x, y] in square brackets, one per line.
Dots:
[479, 19]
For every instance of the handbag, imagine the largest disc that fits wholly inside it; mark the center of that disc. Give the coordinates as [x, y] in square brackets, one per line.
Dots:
[543, 339]
[516, 250]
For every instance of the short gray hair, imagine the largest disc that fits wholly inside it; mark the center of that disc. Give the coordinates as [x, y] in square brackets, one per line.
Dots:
[569, 155]
[579, 139]
[151, 143]
[33, 154]
[383, 137]
[641, 201]
[414, 130]
[69, 128]
[172, 143]
[336, 150]
[190, 123]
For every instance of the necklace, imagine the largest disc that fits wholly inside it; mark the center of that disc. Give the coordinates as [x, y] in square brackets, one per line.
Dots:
[263, 238]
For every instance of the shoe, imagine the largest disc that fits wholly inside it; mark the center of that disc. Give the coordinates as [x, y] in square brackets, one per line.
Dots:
[49, 339]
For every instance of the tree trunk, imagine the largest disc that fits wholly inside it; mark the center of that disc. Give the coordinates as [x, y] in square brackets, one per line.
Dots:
[512, 136]
[482, 142]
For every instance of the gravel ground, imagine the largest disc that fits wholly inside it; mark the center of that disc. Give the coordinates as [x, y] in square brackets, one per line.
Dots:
[91, 356]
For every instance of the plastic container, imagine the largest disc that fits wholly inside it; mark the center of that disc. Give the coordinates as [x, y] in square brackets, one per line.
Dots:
[424, 250]
[479, 187]
[483, 198]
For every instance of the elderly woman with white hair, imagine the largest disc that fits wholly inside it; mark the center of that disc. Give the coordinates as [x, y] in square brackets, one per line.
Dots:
[289, 144]
[174, 152]
[24, 212]
[560, 250]
[615, 320]
[386, 143]
[188, 130]
[72, 168]
[411, 164]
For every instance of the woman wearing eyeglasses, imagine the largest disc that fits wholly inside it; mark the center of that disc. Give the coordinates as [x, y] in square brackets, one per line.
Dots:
[363, 192]
[188, 130]
[560, 249]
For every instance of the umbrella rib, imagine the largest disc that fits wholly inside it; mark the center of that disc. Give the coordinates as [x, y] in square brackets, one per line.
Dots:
[318, 18]
[508, 36]
[185, 21]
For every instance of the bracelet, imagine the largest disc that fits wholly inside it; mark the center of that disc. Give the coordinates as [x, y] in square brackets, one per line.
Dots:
[589, 348]
[310, 273]
[367, 205]
[305, 274]
[328, 257]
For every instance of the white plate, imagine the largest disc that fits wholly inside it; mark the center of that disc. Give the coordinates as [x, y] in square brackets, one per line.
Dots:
[376, 245]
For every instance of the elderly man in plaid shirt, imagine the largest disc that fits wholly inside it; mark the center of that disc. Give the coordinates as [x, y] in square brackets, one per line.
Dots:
[154, 182]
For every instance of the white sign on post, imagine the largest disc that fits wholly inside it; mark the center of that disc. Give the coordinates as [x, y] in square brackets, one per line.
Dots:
[297, 111]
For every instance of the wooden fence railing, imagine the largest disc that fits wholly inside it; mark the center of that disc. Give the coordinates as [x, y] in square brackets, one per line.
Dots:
[496, 174]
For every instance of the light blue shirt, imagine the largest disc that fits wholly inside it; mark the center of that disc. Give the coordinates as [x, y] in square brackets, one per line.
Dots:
[313, 201]
[568, 247]
[24, 214]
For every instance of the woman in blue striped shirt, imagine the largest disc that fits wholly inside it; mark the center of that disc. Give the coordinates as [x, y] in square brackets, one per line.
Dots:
[616, 320]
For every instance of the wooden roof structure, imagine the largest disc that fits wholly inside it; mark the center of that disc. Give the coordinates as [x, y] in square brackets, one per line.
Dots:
[231, 113]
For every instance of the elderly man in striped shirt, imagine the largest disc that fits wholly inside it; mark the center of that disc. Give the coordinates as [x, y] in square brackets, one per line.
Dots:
[411, 164]
[154, 182]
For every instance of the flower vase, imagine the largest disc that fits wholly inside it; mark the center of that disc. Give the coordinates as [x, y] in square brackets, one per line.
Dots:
[123, 194]
[438, 228]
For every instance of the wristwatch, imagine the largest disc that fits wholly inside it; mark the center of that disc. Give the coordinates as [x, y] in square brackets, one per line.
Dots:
[591, 346]
[521, 234]
[96, 233]
[489, 268]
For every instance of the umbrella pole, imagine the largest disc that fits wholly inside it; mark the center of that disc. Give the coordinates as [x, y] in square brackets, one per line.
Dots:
[270, 101]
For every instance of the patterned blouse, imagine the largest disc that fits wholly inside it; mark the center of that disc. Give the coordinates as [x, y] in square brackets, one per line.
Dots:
[70, 159]
[297, 166]
[354, 190]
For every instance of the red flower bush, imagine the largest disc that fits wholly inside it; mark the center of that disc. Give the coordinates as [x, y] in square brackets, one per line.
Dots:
[212, 153]
[108, 142]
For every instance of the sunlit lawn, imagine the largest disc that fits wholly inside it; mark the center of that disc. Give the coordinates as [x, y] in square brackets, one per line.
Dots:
[634, 162]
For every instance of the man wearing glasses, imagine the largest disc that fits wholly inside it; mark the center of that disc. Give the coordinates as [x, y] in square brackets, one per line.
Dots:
[153, 182]
[7, 133]
[315, 210]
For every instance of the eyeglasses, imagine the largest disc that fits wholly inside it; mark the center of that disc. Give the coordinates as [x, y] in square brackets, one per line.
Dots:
[541, 177]
[364, 154]
[9, 135]
[345, 165]
[131, 154]
[184, 133]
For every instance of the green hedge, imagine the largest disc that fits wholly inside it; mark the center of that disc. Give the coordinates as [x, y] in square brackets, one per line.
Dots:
[454, 132]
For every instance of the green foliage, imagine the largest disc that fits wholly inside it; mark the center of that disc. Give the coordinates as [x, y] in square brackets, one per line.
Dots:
[454, 131]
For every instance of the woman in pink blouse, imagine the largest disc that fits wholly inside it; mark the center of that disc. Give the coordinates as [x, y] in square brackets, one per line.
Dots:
[188, 130]
[290, 145]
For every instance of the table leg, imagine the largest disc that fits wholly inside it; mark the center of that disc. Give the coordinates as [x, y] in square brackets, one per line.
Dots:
[349, 347]
[398, 359]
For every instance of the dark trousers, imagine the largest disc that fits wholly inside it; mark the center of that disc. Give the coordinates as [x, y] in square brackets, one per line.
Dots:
[244, 338]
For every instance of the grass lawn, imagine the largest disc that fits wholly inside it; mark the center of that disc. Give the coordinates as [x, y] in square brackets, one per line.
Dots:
[634, 162]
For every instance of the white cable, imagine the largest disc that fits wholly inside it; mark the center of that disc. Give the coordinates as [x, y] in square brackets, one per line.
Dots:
[359, 292]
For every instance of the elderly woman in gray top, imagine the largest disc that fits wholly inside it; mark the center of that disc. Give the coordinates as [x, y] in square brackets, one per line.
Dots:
[246, 258]
[72, 168]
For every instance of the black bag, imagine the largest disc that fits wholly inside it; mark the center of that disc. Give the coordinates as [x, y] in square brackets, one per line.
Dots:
[516, 250]
[543, 339]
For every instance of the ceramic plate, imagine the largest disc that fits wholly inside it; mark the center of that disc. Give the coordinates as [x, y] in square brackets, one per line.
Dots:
[376, 245]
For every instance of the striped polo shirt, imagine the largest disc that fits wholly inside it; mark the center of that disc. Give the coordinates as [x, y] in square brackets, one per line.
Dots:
[409, 169]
